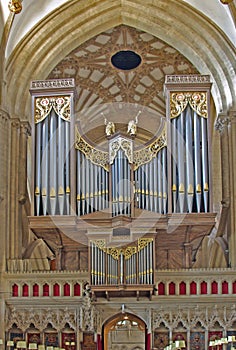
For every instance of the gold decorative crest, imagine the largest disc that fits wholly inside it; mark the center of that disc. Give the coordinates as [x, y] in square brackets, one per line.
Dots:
[44, 105]
[96, 156]
[143, 242]
[146, 154]
[179, 101]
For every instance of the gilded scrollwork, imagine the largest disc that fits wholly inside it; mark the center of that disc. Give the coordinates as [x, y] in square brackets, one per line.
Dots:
[44, 105]
[180, 100]
[100, 243]
[143, 242]
[121, 143]
[96, 156]
[146, 154]
[129, 251]
[114, 252]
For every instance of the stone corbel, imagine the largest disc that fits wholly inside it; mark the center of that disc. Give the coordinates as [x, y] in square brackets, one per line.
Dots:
[222, 122]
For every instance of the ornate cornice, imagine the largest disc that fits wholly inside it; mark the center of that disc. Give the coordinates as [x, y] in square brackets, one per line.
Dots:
[187, 79]
[52, 84]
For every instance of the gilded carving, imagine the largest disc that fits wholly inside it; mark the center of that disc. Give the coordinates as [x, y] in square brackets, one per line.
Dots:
[97, 157]
[143, 242]
[121, 143]
[146, 154]
[44, 105]
[180, 100]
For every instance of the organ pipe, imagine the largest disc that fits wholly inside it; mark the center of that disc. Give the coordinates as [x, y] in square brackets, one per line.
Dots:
[180, 161]
[197, 162]
[53, 162]
[61, 185]
[67, 165]
[189, 160]
[38, 167]
[204, 162]
[45, 172]
[174, 163]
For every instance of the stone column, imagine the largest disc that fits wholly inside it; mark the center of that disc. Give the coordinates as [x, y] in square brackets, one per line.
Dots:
[4, 184]
[223, 128]
[14, 232]
[4, 202]
[232, 163]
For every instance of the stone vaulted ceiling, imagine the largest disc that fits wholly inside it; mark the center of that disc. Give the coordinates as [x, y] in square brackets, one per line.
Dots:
[117, 94]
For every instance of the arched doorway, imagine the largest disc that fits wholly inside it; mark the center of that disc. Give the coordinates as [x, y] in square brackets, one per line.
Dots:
[124, 331]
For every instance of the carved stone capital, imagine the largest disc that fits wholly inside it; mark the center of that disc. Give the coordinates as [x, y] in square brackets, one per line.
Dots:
[4, 116]
[15, 123]
[222, 122]
[25, 128]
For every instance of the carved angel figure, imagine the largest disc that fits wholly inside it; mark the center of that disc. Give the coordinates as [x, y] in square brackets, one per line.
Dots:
[110, 127]
[132, 126]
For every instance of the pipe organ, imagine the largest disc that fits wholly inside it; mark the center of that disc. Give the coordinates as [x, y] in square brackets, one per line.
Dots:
[169, 174]
[122, 265]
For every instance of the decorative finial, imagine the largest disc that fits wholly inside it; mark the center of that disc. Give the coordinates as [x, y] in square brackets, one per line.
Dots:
[110, 126]
[15, 6]
[132, 125]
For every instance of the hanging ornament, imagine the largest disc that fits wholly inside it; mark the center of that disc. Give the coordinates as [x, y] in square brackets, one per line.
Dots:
[15, 6]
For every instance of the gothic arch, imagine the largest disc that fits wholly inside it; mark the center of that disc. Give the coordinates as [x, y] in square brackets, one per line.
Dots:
[111, 323]
[74, 23]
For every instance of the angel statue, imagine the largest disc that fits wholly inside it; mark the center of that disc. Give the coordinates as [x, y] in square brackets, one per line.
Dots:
[132, 125]
[110, 127]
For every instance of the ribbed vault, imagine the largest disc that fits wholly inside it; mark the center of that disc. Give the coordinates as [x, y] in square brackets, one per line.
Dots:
[76, 22]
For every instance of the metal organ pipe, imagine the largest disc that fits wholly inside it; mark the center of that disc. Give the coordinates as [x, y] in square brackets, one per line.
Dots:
[180, 162]
[38, 167]
[53, 162]
[204, 162]
[189, 159]
[164, 179]
[197, 161]
[174, 163]
[45, 172]
[61, 184]
[67, 165]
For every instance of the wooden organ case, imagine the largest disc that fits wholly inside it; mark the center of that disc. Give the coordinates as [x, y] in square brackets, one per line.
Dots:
[127, 209]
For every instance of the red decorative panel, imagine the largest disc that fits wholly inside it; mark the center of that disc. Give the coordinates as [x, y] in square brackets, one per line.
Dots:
[225, 287]
[193, 288]
[172, 288]
[214, 287]
[56, 290]
[77, 290]
[204, 288]
[46, 290]
[161, 288]
[25, 290]
[182, 288]
[15, 290]
[66, 290]
[35, 290]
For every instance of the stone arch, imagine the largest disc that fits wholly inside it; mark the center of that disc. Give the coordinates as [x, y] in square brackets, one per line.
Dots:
[73, 23]
[110, 325]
